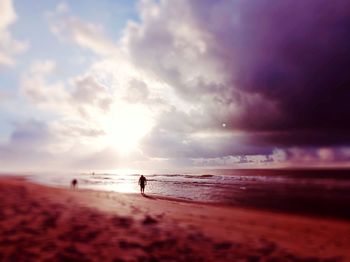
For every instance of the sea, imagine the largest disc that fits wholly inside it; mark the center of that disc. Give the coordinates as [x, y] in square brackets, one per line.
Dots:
[316, 192]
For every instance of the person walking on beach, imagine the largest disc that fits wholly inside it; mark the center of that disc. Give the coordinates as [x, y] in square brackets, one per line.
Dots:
[142, 183]
[74, 183]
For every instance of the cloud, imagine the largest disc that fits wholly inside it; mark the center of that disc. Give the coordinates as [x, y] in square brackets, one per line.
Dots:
[9, 47]
[87, 119]
[293, 54]
[38, 145]
[83, 33]
[235, 83]
[31, 145]
[82, 94]
[317, 156]
[272, 69]
[283, 158]
[89, 91]
[70, 107]
[5, 96]
[36, 87]
[137, 91]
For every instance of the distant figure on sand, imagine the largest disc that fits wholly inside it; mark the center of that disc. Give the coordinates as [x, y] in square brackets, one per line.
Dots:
[74, 183]
[142, 183]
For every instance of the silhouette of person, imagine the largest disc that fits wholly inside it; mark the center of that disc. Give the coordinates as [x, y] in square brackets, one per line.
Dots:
[74, 183]
[142, 183]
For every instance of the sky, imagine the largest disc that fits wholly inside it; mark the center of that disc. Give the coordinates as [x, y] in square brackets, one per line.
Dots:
[109, 84]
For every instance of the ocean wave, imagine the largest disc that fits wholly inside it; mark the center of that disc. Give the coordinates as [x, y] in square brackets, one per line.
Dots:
[198, 176]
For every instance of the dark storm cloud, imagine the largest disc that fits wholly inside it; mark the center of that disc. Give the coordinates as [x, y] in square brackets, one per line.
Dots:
[293, 53]
[175, 136]
[174, 145]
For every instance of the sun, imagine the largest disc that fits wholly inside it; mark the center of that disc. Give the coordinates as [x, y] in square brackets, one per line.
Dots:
[125, 126]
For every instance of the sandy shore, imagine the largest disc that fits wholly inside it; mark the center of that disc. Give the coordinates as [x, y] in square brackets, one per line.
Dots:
[39, 223]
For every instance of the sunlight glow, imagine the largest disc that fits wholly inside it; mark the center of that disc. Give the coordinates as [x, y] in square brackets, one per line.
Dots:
[126, 126]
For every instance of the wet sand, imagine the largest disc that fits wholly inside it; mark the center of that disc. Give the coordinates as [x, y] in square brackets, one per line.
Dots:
[39, 223]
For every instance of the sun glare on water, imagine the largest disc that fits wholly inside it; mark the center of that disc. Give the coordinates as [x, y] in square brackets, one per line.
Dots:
[126, 188]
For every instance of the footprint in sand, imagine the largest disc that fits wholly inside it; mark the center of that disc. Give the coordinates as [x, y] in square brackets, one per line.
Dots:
[128, 244]
[222, 245]
[49, 221]
[148, 220]
[123, 222]
[267, 247]
[135, 210]
[161, 244]
[160, 216]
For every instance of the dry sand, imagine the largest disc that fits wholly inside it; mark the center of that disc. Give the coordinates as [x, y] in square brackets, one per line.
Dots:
[39, 223]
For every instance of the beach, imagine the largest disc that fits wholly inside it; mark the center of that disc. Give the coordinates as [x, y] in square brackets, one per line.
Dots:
[41, 223]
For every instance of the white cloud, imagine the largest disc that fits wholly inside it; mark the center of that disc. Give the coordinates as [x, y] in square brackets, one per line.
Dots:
[326, 154]
[35, 86]
[86, 115]
[174, 49]
[89, 92]
[9, 47]
[83, 33]
[8, 15]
